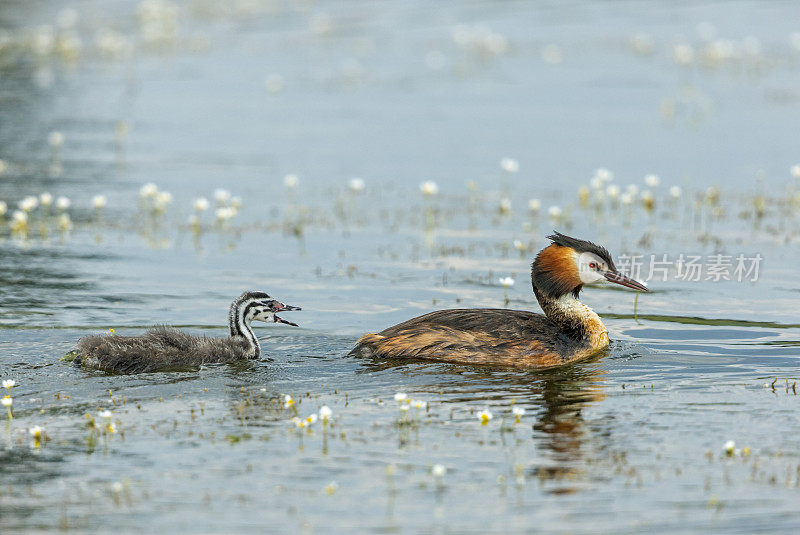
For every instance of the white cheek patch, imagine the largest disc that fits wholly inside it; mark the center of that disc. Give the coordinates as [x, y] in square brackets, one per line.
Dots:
[262, 315]
[589, 275]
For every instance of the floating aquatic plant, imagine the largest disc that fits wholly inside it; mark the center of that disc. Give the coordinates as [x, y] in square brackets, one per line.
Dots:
[325, 414]
[429, 188]
[507, 283]
[356, 185]
[38, 436]
[99, 202]
[484, 416]
[518, 413]
[7, 402]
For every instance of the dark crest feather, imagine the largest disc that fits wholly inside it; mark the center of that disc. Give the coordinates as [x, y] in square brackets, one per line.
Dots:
[551, 284]
[583, 246]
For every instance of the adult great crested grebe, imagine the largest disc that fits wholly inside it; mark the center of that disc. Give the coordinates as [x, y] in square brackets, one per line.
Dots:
[569, 331]
[164, 348]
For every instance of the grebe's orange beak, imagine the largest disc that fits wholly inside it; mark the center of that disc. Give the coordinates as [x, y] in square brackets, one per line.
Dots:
[622, 280]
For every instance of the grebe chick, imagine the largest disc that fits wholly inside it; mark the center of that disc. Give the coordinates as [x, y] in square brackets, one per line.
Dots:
[165, 348]
[569, 331]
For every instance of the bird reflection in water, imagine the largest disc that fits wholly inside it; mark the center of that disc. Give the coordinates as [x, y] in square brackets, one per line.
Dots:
[555, 399]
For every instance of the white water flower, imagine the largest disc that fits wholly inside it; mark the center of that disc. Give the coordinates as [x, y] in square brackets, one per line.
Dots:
[7, 401]
[46, 199]
[507, 282]
[795, 171]
[429, 188]
[304, 422]
[730, 447]
[505, 205]
[162, 200]
[9, 383]
[518, 413]
[99, 201]
[287, 401]
[484, 417]
[509, 165]
[19, 217]
[419, 404]
[148, 191]
[62, 203]
[356, 185]
[404, 407]
[439, 470]
[613, 191]
[652, 180]
[604, 175]
[55, 139]
[28, 203]
[236, 203]
[519, 245]
[675, 192]
[105, 413]
[201, 204]
[291, 181]
[325, 413]
[554, 212]
[3, 208]
[36, 432]
[633, 189]
[400, 397]
[626, 199]
[225, 213]
[534, 205]
[222, 196]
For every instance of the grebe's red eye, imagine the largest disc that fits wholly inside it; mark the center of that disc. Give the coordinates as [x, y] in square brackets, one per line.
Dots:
[593, 265]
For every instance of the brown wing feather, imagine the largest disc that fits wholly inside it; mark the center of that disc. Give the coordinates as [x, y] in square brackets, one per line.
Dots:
[476, 336]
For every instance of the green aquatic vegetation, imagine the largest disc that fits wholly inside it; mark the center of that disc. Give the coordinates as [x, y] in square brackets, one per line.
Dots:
[70, 356]
[235, 439]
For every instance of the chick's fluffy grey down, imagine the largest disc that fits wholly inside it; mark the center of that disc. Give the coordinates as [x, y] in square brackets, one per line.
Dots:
[159, 349]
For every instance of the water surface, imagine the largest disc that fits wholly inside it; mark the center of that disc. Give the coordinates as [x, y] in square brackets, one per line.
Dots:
[196, 96]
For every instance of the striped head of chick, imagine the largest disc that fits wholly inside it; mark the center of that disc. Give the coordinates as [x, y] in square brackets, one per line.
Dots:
[259, 306]
[568, 264]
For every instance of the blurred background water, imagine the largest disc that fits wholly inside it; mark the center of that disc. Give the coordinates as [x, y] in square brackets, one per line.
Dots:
[371, 162]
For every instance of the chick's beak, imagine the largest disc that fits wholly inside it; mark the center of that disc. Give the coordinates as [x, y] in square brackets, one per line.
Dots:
[280, 307]
[622, 280]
